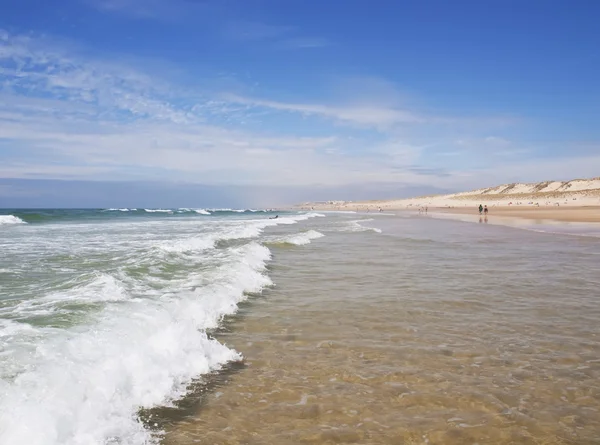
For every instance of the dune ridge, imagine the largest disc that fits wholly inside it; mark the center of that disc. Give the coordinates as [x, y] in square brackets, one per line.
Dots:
[574, 200]
[545, 188]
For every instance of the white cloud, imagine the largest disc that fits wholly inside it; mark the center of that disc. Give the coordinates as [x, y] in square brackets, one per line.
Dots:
[497, 141]
[65, 116]
[363, 115]
[98, 119]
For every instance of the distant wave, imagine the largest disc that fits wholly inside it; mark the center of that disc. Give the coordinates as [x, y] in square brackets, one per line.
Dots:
[10, 219]
[38, 216]
[228, 210]
[299, 239]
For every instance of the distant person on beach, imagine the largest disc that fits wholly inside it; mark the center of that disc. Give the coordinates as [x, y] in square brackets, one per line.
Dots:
[480, 209]
[485, 210]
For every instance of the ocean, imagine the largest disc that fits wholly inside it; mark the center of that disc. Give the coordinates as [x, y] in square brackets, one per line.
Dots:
[218, 326]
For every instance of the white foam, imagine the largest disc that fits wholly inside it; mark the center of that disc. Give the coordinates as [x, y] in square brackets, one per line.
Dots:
[302, 238]
[144, 341]
[85, 385]
[158, 210]
[188, 245]
[202, 212]
[10, 219]
[97, 287]
[355, 226]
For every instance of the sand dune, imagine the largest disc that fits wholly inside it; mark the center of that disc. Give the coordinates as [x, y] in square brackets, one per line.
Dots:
[517, 199]
[547, 188]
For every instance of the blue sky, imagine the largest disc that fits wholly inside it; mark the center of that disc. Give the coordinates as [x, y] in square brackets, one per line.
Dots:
[308, 99]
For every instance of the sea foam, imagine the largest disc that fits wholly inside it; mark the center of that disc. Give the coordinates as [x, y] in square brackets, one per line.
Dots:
[10, 219]
[302, 238]
[85, 384]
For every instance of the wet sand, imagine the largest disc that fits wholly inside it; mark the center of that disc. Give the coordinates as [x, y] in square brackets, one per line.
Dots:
[433, 332]
[553, 213]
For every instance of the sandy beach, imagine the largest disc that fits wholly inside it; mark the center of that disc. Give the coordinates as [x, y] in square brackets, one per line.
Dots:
[570, 201]
[565, 214]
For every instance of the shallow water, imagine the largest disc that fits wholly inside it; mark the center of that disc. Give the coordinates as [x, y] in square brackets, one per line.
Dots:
[430, 332]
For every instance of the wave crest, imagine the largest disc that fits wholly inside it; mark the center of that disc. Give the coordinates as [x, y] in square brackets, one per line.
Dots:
[10, 219]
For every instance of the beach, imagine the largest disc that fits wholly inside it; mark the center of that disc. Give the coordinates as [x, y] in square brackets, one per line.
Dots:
[590, 214]
[569, 201]
[218, 327]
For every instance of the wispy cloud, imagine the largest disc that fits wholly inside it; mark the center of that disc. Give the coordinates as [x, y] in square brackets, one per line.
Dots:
[66, 115]
[304, 42]
[282, 37]
[70, 115]
[242, 30]
[365, 115]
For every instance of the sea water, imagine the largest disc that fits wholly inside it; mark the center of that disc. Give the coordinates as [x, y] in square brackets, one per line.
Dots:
[183, 326]
[104, 312]
[418, 331]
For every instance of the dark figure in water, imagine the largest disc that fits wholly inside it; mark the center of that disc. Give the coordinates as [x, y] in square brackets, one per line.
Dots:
[274, 217]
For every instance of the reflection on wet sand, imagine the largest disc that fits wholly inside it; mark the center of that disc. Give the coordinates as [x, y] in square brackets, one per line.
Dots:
[410, 339]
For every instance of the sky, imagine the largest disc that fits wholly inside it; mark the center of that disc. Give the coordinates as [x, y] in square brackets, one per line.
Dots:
[267, 102]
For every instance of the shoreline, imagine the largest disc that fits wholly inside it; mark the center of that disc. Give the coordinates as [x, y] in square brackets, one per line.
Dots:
[408, 338]
[582, 212]
[572, 201]
[577, 214]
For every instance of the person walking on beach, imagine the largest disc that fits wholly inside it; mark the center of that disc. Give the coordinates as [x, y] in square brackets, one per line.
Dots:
[485, 210]
[480, 209]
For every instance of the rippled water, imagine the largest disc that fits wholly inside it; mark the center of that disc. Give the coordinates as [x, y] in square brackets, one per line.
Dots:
[430, 332]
